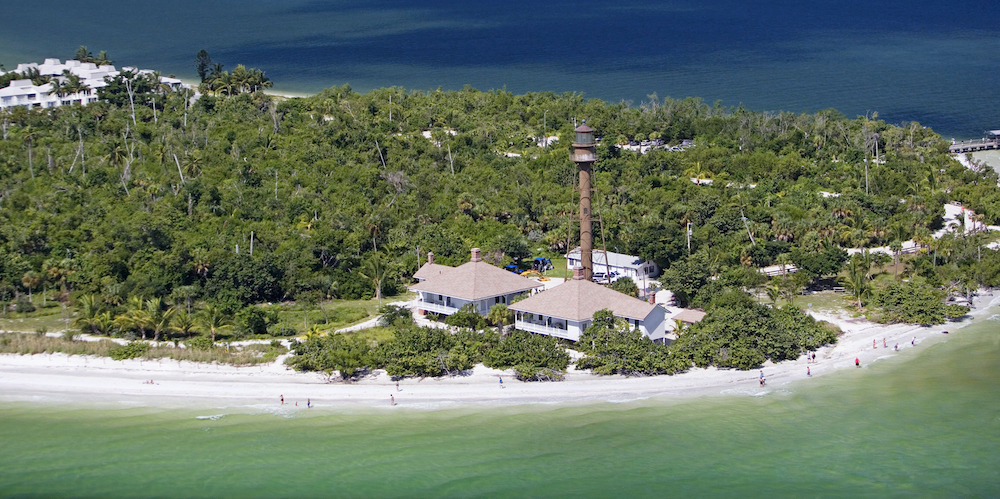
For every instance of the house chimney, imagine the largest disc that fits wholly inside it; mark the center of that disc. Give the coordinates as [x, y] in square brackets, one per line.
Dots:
[578, 273]
[652, 298]
[430, 258]
[475, 255]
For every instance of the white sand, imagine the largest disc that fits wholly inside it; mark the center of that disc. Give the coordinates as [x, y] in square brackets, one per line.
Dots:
[61, 378]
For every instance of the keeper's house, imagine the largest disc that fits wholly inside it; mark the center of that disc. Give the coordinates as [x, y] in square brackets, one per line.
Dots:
[445, 289]
[566, 310]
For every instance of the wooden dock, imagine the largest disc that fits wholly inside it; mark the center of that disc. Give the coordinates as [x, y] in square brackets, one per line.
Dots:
[993, 142]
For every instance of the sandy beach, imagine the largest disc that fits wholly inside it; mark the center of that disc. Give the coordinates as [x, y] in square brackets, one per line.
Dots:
[60, 378]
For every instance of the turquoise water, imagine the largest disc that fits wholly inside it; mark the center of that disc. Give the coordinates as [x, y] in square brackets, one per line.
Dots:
[914, 60]
[926, 423]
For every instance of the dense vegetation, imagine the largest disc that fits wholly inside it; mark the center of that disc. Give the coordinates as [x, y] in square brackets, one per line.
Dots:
[741, 333]
[35, 343]
[239, 198]
[408, 350]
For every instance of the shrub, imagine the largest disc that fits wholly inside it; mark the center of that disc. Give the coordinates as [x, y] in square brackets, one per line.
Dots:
[737, 332]
[200, 343]
[395, 315]
[955, 312]
[528, 354]
[24, 305]
[129, 351]
[253, 321]
[913, 302]
[468, 317]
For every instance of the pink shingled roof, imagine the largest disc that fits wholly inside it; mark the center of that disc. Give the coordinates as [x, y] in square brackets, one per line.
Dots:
[474, 281]
[429, 270]
[578, 299]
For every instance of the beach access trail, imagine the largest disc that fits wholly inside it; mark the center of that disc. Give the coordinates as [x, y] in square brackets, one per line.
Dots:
[59, 378]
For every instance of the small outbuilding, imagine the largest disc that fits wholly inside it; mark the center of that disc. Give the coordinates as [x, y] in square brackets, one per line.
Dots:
[611, 263]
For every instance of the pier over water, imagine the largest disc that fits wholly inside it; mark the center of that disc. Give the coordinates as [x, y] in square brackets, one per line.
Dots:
[992, 141]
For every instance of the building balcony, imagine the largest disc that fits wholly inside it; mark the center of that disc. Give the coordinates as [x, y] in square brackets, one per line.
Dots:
[437, 308]
[531, 327]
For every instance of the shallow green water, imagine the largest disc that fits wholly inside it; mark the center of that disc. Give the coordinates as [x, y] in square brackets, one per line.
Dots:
[925, 423]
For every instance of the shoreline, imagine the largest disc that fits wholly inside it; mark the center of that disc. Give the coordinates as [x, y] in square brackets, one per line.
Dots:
[105, 383]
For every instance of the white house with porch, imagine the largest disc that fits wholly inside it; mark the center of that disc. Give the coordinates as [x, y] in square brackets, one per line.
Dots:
[445, 289]
[565, 311]
[609, 262]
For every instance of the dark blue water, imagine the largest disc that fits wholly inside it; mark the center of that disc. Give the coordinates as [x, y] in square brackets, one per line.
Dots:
[932, 62]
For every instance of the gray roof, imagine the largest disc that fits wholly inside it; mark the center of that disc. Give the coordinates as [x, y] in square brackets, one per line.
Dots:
[474, 281]
[578, 300]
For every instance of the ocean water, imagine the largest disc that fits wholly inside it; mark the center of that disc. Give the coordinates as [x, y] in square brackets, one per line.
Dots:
[925, 422]
[915, 60]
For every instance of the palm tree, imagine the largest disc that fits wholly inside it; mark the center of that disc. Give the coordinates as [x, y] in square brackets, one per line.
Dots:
[698, 172]
[83, 55]
[313, 332]
[186, 293]
[30, 280]
[159, 318]
[857, 280]
[135, 316]
[28, 136]
[102, 59]
[212, 320]
[896, 248]
[376, 269]
[90, 316]
[501, 317]
[773, 293]
[185, 324]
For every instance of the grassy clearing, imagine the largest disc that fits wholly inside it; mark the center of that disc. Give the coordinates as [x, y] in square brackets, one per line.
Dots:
[48, 319]
[826, 301]
[332, 315]
[31, 344]
[375, 334]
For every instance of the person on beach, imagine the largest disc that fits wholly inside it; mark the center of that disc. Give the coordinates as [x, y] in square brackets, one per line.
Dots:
[392, 399]
[397, 386]
[282, 400]
[857, 362]
[883, 344]
[808, 372]
[874, 345]
[309, 403]
[501, 381]
[896, 348]
[913, 341]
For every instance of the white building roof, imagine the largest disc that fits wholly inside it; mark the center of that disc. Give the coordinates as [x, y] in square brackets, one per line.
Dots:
[613, 259]
[25, 93]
